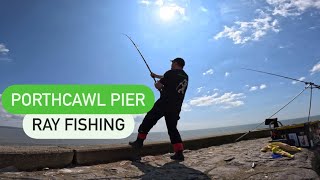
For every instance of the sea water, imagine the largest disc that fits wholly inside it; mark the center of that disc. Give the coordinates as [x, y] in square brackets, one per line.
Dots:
[16, 136]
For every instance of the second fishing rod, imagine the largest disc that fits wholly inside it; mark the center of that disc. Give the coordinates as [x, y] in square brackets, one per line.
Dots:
[310, 85]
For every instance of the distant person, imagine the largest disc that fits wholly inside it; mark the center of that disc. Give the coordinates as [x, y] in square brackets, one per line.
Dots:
[173, 86]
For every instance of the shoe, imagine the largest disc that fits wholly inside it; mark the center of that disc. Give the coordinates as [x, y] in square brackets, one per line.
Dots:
[178, 156]
[136, 144]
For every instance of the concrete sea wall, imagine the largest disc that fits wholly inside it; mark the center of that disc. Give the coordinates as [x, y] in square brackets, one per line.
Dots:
[38, 157]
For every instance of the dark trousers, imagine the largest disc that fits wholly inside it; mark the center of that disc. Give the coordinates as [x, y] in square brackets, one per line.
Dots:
[171, 118]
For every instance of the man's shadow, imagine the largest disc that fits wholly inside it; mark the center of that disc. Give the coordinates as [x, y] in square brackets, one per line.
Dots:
[170, 170]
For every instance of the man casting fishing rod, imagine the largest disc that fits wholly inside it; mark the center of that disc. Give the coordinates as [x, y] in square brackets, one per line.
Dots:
[173, 86]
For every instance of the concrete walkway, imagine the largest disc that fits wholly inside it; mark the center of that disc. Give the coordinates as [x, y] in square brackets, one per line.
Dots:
[38, 157]
[241, 160]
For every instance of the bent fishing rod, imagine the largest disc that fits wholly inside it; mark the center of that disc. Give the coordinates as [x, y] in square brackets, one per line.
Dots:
[140, 55]
[310, 85]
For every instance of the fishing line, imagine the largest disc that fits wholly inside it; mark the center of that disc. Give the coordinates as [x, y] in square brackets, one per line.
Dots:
[275, 75]
[305, 82]
[311, 85]
[275, 112]
[290, 101]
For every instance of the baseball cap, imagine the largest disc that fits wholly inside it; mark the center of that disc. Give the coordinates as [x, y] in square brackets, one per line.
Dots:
[179, 60]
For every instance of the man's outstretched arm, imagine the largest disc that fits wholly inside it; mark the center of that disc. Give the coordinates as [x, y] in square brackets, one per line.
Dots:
[153, 75]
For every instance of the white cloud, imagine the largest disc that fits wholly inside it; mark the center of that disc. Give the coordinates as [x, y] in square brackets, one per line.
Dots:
[7, 119]
[313, 27]
[292, 7]
[254, 30]
[253, 88]
[301, 79]
[210, 72]
[263, 86]
[138, 115]
[167, 9]
[159, 2]
[3, 49]
[233, 104]
[203, 100]
[186, 107]
[173, 9]
[203, 9]
[285, 46]
[5, 59]
[226, 74]
[215, 89]
[199, 89]
[226, 100]
[315, 68]
[145, 2]
[225, 9]
[243, 31]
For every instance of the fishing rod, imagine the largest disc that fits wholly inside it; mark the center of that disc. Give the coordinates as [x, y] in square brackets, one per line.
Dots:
[310, 85]
[140, 55]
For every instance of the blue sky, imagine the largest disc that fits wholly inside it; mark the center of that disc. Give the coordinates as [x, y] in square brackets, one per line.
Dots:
[80, 42]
